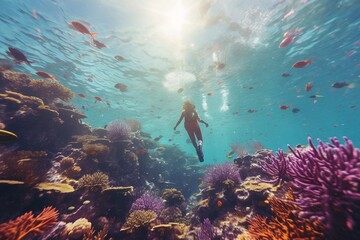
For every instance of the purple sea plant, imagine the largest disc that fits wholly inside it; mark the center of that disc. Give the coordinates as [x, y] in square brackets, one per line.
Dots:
[206, 231]
[118, 131]
[148, 202]
[216, 175]
[327, 183]
[276, 167]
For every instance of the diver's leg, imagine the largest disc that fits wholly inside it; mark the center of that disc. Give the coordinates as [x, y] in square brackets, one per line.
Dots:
[198, 149]
[192, 138]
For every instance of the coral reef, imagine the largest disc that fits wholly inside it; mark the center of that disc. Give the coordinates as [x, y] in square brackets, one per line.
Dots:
[139, 218]
[285, 224]
[216, 176]
[94, 182]
[27, 226]
[173, 197]
[26, 166]
[148, 202]
[118, 131]
[76, 229]
[46, 90]
[95, 149]
[206, 231]
[171, 214]
[325, 179]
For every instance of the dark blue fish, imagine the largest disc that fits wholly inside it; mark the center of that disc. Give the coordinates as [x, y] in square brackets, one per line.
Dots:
[18, 56]
[295, 110]
[339, 84]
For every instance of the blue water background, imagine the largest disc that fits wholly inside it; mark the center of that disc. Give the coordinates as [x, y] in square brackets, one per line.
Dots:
[245, 35]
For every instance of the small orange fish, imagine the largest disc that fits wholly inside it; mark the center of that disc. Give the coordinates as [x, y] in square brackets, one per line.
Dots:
[200, 179]
[219, 203]
[302, 63]
[141, 151]
[78, 26]
[308, 86]
[284, 107]
[82, 95]
[45, 75]
[91, 152]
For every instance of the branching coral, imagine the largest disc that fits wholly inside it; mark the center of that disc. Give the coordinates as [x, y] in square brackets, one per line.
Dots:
[173, 197]
[285, 225]
[148, 202]
[139, 218]
[215, 176]
[94, 182]
[27, 226]
[118, 131]
[327, 180]
[276, 167]
[101, 235]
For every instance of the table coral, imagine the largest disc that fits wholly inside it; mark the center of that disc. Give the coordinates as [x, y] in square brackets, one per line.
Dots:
[27, 226]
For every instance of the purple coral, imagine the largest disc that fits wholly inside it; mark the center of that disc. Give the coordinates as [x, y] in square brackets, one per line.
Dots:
[206, 231]
[326, 181]
[148, 202]
[118, 131]
[276, 167]
[216, 175]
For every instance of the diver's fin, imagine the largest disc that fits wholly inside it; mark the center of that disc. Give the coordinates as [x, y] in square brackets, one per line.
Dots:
[200, 154]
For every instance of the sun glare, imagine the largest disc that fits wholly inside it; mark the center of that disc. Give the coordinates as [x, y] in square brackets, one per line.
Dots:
[175, 20]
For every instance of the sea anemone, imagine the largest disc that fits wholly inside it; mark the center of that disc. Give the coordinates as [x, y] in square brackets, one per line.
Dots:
[118, 131]
[215, 176]
[148, 202]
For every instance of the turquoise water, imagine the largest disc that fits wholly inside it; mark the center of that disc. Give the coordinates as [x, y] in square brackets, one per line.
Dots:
[161, 39]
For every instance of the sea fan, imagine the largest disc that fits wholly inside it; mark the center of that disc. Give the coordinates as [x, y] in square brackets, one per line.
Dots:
[215, 176]
[118, 131]
[148, 202]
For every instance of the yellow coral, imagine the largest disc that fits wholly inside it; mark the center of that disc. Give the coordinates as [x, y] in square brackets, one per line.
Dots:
[139, 218]
[94, 182]
[77, 229]
[95, 149]
[49, 91]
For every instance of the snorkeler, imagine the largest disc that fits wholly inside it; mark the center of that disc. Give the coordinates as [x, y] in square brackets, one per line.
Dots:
[192, 126]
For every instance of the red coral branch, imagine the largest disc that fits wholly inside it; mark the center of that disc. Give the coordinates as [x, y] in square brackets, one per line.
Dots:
[27, 224]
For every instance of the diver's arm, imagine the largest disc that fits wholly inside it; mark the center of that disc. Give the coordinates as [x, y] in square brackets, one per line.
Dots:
[178, 122]
[202, 121]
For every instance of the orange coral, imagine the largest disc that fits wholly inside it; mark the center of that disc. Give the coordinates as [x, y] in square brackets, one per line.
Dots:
[285, 225]
[29, 226]
[101, 235]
